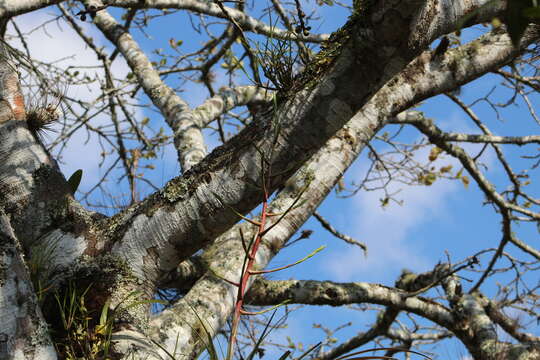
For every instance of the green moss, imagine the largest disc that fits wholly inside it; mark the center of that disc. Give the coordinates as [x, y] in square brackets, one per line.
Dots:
[42, 174]
[406, 280]
[361, 8]
[325, 58]
[113, 265]
[409, 278]
[175, 190]
[331, 48]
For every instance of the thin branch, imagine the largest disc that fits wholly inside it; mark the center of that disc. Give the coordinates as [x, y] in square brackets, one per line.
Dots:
[325, 224]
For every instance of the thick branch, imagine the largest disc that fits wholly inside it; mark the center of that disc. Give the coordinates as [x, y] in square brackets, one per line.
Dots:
[310, 292]
[33, 191]
[247, 22]
[227, 99]
[509, 325]
[23, 331]
[491, 139]
[10, 8]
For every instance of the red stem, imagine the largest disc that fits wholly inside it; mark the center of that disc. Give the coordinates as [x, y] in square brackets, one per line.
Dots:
[238, 310]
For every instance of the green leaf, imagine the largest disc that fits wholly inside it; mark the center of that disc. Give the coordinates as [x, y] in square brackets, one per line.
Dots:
[470, 17]
[75, 180]
[104, 313]
[445, 169]
[434, 153]
[532, 12]
[209, 344]
[428, 179]
[465, 180]
[516, 20]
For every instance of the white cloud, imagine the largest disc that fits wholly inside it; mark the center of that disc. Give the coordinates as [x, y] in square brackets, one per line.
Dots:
[394, 234]
[388, 231]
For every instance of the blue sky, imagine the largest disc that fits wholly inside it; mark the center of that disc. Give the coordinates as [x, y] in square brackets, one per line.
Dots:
[443, 217]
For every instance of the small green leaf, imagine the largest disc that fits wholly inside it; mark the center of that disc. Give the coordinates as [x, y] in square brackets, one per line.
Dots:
[104, 314]
[515, 19]
[465, 180]
[75, 180]
[532, 12]
[430, 179]
[434, 153]
[469, 19]
[427, 179]
[445, 169]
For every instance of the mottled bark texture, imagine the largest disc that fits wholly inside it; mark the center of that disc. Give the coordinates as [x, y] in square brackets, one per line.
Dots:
[299, 144]
[24, 334]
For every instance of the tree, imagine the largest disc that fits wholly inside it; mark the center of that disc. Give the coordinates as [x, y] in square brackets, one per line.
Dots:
[78, 283]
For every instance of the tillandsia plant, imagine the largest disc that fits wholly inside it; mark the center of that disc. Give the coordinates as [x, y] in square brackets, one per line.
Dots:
[43, 95]
[43, 111]
[279, 62]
